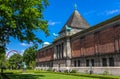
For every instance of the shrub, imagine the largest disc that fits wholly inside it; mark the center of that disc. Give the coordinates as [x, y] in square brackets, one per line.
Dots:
[65, 71]
[29, 67]
[73, 71]
[86, 71]
[50, 69]
[106, 72]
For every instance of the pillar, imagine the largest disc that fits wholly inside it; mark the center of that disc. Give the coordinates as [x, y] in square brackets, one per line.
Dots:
[64, 49]
[55, 52]
[68, 50]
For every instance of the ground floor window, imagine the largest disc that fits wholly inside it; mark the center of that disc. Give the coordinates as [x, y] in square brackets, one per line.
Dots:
[92, 62]
[111, 61]
[75, 63]
[104, 61]
[87, 63]
[78, 63]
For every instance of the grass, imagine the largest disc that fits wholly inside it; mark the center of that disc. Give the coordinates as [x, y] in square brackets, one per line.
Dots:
[41, 75]
[31, 74]
[45, 76]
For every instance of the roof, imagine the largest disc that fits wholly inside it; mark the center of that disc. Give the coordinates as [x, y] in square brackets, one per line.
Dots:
[113, 19]
[46, 43]
[76, 21]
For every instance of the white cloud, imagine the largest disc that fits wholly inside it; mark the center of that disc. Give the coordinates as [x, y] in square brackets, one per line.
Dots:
[22, 52]
[112, 11]
[90, 12]
[52, 23]
[25, 44]
[108, 12]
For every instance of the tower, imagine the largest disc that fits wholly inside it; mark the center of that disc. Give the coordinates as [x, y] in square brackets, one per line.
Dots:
[74, 24]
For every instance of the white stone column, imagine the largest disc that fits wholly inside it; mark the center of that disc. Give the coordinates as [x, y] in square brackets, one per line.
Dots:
[68, 50]
[64, 49]
[58, 52]
[107, 61]
[61, 50]
[55, 52]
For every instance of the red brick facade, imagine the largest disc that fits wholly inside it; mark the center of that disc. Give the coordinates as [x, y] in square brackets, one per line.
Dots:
[45, 55]
[104, 41]
[76, 48]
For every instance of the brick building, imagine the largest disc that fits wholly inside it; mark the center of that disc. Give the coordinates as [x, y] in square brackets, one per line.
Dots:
[84, 48]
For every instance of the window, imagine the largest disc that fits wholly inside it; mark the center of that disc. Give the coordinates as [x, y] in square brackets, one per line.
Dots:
[104, 62]
[75, 63]
[62, 49]
[58, 51]
[97, 32]
[78, 63]
[92, 62]
[82, 37]
[87, 63]
[115, 26]
[111, 61]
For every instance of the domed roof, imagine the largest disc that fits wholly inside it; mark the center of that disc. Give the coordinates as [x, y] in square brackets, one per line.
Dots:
[46, 43]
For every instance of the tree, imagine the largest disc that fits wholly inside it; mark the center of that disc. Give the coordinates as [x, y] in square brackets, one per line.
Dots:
[2, 62]
[29, 56]
[20, 19]
[15, 60]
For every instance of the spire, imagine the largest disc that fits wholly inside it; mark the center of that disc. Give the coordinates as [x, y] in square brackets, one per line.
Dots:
[75, 6]
[76, 21]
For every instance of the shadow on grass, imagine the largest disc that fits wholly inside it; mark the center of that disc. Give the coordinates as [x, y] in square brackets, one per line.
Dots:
[3, 76]
[24, 76]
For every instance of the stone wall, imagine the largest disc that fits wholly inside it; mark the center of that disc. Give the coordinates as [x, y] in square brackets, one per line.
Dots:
[96, 70]
[98, 62]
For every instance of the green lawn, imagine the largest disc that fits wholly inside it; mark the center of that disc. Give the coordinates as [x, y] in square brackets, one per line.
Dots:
[33, 74]
[44, 76]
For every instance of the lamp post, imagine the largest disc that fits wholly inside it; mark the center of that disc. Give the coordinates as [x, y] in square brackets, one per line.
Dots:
[24, 66]
[91, 72]
[59, 67]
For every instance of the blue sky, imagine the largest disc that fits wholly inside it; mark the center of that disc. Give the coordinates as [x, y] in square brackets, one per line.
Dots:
[58, 12]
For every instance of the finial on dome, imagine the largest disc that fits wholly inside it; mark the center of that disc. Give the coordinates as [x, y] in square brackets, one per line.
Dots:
[75, 6]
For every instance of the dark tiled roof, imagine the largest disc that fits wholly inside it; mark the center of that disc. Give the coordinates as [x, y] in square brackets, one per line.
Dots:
[115, 18]
[76, 21]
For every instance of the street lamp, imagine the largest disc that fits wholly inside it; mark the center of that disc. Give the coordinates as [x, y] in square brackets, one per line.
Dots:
[91, 72]
[59, 67]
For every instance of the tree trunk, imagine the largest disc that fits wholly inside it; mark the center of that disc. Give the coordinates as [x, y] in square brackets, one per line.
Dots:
[1, 70]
